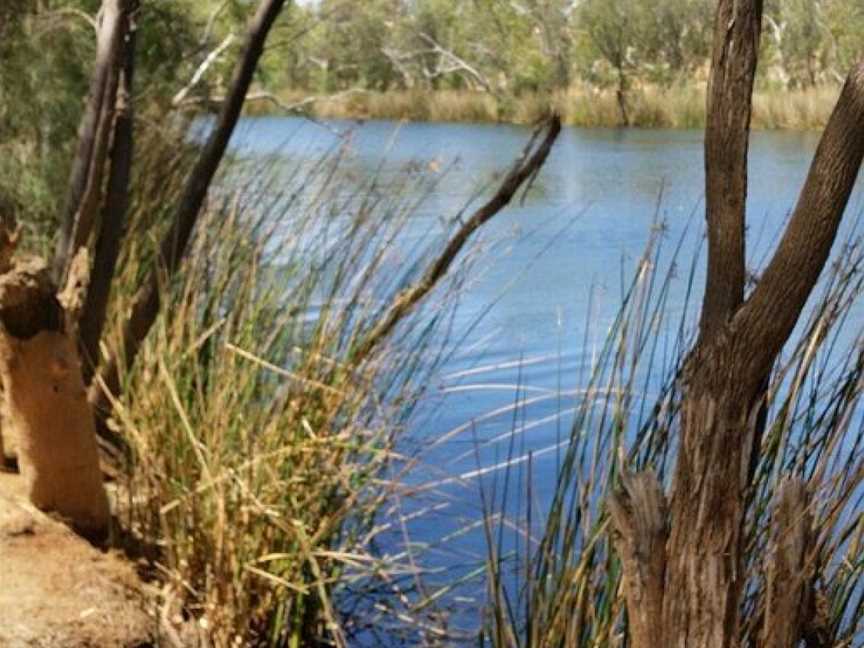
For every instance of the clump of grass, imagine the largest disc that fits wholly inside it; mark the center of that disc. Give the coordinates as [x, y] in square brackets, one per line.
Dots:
[800, 109]
[563, 586]
[259, 446]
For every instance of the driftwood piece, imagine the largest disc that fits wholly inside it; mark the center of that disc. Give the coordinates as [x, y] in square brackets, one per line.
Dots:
[640, 516]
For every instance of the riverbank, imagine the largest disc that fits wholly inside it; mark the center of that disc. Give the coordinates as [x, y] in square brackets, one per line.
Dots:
[646, 107]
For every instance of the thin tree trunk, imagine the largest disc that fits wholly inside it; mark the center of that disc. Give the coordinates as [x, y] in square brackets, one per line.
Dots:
[789, 596]
[114, 210]
[621, 96]
[146, 305]
[91, 138]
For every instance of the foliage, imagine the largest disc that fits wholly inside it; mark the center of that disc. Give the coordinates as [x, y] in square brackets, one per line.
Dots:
[45, 56]
[541, 44]
[258, 446]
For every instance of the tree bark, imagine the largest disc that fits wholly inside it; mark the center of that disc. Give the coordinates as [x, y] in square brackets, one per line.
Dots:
[92, 132]
[725, 374]
[114, 209]
[788, 590]
[705, 573]
[640, 514]
[737, 29]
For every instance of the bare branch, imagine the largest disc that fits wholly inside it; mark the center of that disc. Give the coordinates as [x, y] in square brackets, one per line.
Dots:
[293, 107]
[447, 62]
[730, 88]
[211, 22]
[528, 164]
[457, 64]
[202, 70]
[767, 319]
[397, 59]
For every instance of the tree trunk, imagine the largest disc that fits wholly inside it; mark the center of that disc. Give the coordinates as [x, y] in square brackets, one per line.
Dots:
[621, 96]
[725, 376]
[147, 301]
[705, 573]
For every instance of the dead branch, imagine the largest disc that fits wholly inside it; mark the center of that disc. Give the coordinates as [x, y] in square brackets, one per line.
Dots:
[293, 107]
[202, 70]
[455, 64]
[528, 164]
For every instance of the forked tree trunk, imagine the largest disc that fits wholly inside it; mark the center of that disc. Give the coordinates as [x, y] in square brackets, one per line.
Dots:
[686, 591]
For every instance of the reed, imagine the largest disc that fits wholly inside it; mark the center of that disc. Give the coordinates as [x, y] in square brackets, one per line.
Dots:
[260, 449]
[649, 106]
[552, 575]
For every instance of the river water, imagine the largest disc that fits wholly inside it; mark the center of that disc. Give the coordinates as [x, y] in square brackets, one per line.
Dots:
[549, 284]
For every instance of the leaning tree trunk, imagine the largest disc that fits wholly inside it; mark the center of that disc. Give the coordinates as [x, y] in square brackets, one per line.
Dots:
[683, 561]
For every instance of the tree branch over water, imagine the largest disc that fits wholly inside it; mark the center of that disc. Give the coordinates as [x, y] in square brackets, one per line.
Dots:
[525, 168]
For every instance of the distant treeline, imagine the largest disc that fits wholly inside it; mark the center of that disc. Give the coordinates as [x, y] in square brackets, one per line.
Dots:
[515, 47]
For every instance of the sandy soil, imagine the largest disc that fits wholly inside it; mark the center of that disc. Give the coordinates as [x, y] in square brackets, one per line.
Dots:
[58, 591]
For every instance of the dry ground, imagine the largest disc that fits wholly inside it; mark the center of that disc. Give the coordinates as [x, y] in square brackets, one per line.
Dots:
[58, 591]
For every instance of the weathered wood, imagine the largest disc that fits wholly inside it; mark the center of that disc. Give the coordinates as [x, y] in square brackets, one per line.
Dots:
[705, 574]
[640, 517]
[114, 209]
[91, 139]
[45, 399]
[787, 589]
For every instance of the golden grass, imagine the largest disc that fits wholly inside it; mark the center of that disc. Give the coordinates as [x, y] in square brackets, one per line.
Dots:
[649, 106]
[259, 446]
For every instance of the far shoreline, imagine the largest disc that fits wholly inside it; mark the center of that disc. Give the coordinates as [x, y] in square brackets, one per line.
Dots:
[676, 107]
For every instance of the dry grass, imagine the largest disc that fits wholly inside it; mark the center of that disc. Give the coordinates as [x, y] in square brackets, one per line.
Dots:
[260, 448]
[648, 106]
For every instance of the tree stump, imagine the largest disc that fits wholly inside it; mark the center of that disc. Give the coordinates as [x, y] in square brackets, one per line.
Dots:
[45, 399]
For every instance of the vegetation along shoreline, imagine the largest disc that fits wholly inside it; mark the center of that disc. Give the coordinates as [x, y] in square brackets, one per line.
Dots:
[677, 107]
